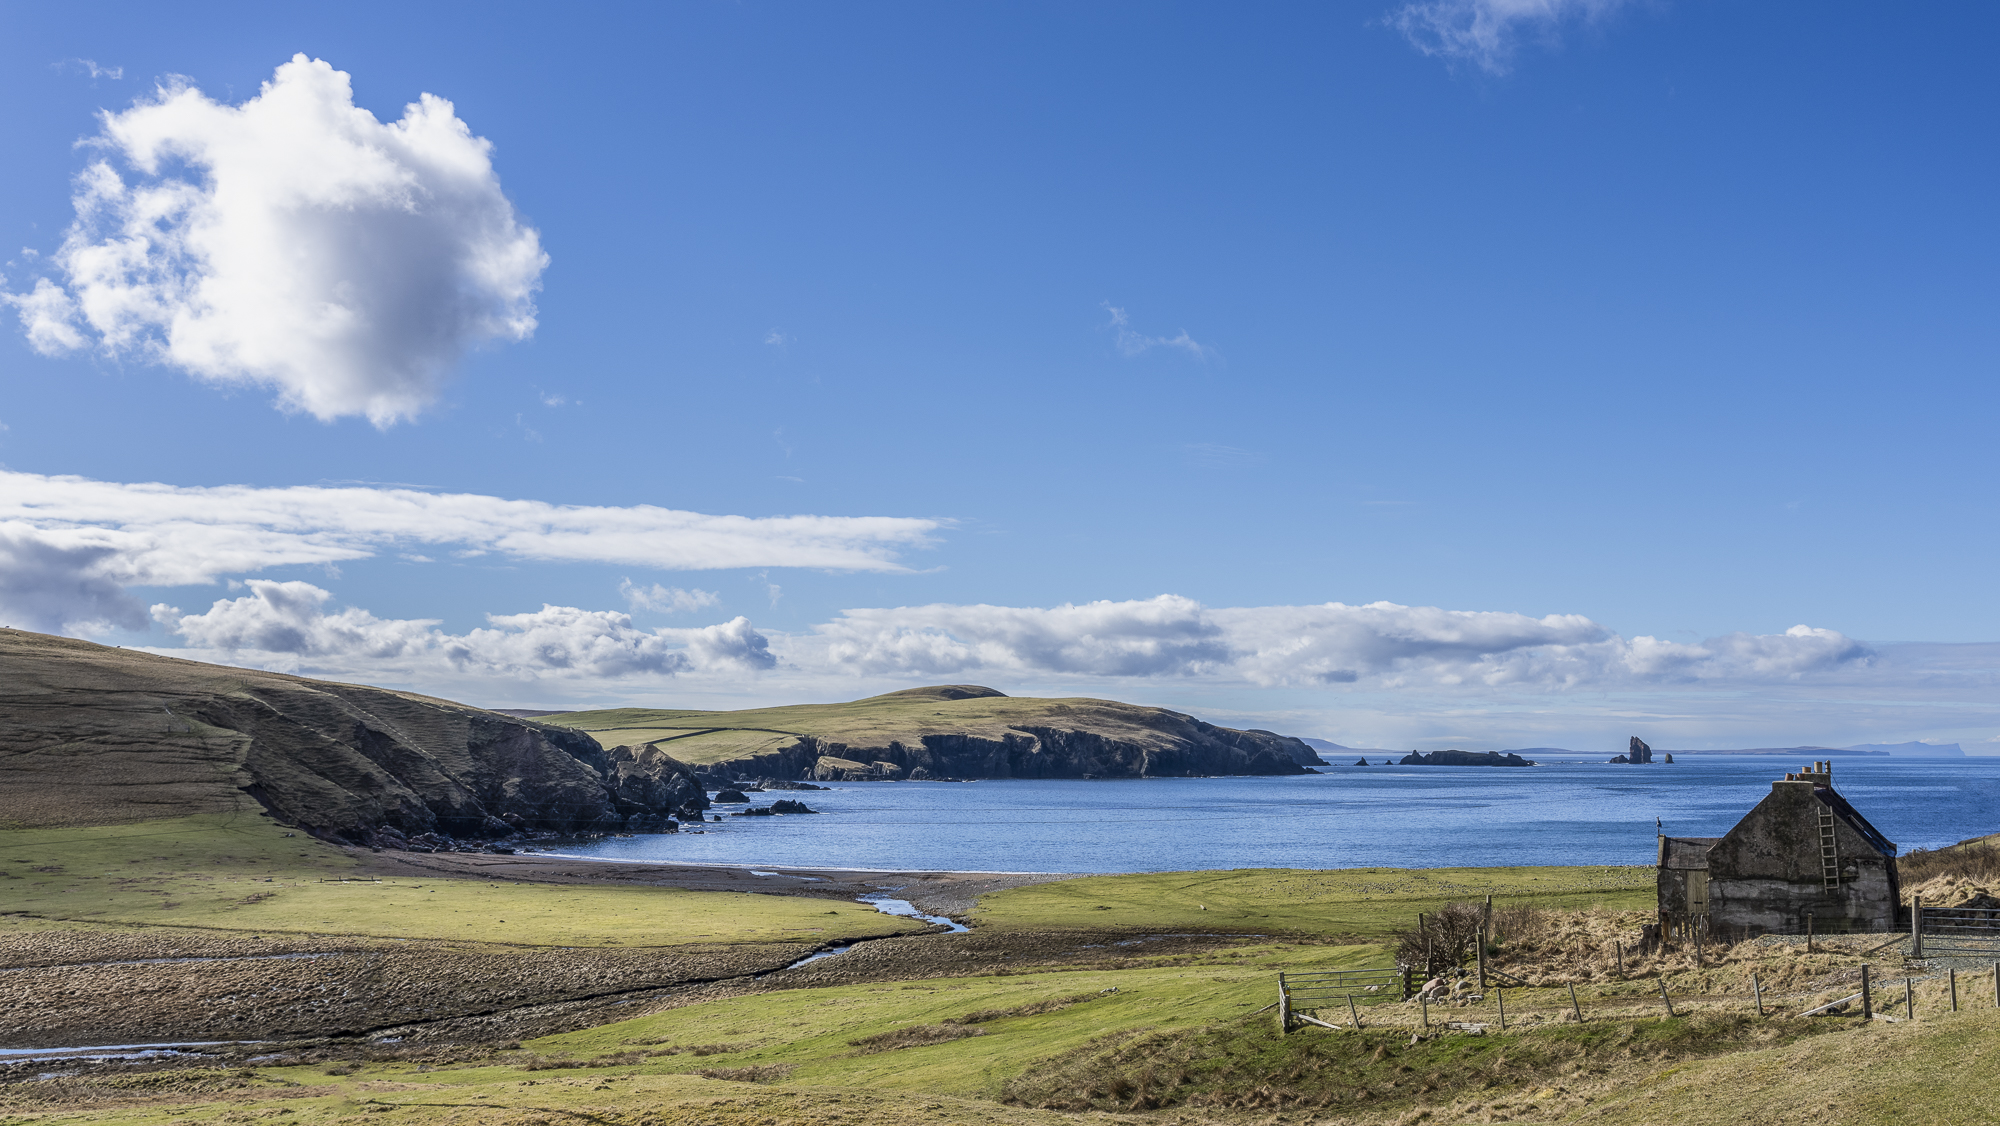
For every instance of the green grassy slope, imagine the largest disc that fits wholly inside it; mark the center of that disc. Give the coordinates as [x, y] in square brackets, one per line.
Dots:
[1344, 901]
[247, 874]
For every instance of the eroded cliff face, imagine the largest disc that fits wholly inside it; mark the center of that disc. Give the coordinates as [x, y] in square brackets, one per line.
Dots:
[91, 735]
[1184, 748]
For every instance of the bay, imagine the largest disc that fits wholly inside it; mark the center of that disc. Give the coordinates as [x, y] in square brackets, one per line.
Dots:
[1569, 810]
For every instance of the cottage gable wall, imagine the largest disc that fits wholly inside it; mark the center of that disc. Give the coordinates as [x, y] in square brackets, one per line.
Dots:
[1766, 874]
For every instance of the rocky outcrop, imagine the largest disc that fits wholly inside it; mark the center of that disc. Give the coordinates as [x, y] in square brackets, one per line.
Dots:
[91, 734]
[1464, 758]
[1640, 752]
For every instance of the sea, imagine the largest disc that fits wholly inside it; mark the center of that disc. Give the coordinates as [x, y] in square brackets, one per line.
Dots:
[1570, 809]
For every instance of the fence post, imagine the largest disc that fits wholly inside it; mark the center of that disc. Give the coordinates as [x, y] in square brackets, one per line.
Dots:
[1757, 987]
[1663, 996]
[1867, 998]
[1482, 959]
[1916, 926]
[1406, 983]
[1909, 998]
[1620, 948]
[1353, 1014]
[1573, 1006]
[1954, 989]
[1501, 994]
[1809, 932]
[1996, 984]
[1284, 1008]
[1697, 939]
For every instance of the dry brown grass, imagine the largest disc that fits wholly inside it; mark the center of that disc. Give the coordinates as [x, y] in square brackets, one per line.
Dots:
[915, 1036]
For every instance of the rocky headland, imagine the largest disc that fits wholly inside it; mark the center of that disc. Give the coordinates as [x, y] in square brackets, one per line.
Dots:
[952, 731]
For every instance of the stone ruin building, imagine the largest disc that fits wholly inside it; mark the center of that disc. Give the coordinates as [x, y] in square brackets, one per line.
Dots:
[1803, 851]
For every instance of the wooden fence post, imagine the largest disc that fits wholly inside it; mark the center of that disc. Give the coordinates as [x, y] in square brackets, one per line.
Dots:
[1353, 1014]
[1424, 1006]
[1573, 1006]
[1867, 998]
[1996, 984]
[1910, 998]
[1917, 926]
[1757, 988]
[1501, 994]
[1482, 959]
[1663, 996]
[1284, 1008]
[1619, 947]
[1697, 940]
[1954, 988]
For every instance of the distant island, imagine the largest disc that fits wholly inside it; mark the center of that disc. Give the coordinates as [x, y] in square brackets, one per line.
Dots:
[1464, 758]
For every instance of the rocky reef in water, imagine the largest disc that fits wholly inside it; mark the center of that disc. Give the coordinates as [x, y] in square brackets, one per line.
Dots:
[92, 734]
[1640, 753]
[1464, 758]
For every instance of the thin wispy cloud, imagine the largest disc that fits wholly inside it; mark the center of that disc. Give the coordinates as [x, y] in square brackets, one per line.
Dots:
[1488, 33]
[1215, 455]
[70, 545]
[666, 599]
[293, 242]
[90, 67]
[1132, 343]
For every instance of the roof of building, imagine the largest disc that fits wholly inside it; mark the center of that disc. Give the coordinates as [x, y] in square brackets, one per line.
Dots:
[1685, 852]
[1854, 819]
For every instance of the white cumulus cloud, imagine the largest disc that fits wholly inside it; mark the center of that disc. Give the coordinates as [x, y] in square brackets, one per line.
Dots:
[1131, 342]
[1486, 33]
[290, 626]
[293, 241]
[69, 545]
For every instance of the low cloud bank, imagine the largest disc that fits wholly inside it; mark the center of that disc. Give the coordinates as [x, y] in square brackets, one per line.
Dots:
[1380, 646]
[69, 546]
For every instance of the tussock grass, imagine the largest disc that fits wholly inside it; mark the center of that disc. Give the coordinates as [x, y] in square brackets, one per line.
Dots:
[916, 1036]
[1247, 1065]
[1033, 1008]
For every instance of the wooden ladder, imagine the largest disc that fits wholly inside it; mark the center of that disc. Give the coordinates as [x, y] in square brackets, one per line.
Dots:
[1829, 859]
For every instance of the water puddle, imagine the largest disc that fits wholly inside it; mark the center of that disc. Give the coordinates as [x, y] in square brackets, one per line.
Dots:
[899, 907]
[110, 1051]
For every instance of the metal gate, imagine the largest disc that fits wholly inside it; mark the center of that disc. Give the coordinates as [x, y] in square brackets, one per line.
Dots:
[1301, 995]
[1953, 929]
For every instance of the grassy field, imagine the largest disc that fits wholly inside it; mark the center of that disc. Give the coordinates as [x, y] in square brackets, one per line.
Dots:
[1364, 902]
[247, 874]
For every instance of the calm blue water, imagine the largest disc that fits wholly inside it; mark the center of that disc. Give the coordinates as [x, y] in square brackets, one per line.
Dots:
[1564, 812]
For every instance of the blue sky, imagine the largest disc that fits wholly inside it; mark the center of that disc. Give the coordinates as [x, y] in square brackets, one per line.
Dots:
[1633, 334]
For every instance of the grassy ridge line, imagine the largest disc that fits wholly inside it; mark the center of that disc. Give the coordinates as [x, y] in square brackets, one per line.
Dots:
[873, 722]
[245, 873]
[1366, 902]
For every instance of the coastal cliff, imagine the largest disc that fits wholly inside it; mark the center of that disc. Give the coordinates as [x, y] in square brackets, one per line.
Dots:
[949, 731]
[91, 734]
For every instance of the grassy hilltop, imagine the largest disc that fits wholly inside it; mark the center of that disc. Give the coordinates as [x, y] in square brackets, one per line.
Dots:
[954, 730]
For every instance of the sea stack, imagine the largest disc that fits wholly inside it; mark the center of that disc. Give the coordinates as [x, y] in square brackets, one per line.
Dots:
[1640, 752]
